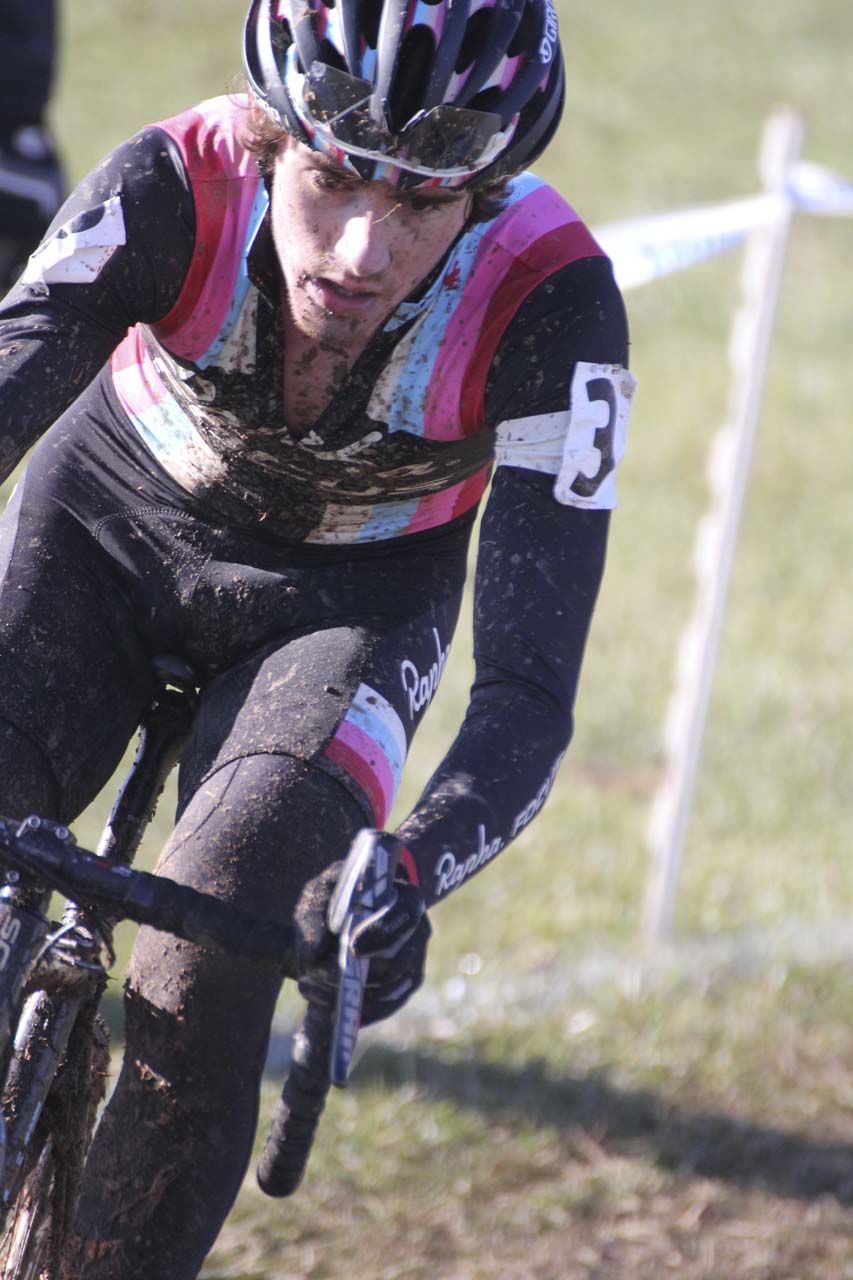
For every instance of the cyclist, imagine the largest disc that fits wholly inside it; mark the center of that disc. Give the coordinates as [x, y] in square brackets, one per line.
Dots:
[276, 345]
[31, 179]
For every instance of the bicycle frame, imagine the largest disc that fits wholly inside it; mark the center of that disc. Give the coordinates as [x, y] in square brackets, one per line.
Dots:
[48, 978]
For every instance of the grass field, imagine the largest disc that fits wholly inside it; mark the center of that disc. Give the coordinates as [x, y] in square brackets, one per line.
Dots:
[563, 1101]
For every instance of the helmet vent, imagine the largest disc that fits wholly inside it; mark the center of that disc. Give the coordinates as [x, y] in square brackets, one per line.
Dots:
[411, 76]
[526, 33]
[487, 100]
[332, 56]
[280, 36]
[369, 15]
[474, 40]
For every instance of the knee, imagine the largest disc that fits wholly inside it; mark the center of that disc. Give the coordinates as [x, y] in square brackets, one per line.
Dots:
[258, 827]
[27, 781]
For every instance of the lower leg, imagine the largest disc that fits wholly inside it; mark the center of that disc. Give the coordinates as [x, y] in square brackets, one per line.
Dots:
[176, 1139]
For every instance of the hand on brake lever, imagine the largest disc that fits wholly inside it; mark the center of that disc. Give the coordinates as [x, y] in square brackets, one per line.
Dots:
[394, 939]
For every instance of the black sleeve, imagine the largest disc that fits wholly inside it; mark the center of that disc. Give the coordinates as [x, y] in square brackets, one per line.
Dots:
[577, 314]
[55, 336]
[539, 568]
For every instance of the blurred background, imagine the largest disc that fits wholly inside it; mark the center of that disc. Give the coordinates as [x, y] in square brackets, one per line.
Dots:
[563, 1100]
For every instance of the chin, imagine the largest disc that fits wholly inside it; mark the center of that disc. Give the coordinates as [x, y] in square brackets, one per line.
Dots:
[335, 330]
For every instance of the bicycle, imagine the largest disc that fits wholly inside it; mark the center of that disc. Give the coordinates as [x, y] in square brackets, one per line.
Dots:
[54, 1048]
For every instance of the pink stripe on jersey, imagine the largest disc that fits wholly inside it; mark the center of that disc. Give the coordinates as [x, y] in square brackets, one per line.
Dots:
[440, 508]
[135, 379]
[359, 755]
[532, 218]
[225, 182]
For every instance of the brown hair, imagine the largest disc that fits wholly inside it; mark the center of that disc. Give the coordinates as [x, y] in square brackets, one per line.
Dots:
[263, 138]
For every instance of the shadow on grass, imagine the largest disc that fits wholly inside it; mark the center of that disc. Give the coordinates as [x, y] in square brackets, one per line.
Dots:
[708, 1144]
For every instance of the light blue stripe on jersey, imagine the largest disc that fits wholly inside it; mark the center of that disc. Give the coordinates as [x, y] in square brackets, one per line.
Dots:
[405, 389]
[387, 518]
[419, 350]
[382, 724]
[164, 427]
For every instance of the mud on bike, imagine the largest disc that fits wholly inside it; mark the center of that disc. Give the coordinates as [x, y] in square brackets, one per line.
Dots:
[54, 1050]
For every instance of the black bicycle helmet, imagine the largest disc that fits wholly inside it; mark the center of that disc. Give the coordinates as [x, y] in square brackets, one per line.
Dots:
[449, 92]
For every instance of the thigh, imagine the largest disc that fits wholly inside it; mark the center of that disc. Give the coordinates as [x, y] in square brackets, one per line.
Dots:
[73, 677]
[345, 699]
[252, 835]
[294, 749]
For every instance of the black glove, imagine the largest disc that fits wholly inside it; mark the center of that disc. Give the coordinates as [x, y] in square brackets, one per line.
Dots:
[394, 939]
[316, 945]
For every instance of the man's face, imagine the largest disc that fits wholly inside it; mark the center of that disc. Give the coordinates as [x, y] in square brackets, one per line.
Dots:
[350, 251]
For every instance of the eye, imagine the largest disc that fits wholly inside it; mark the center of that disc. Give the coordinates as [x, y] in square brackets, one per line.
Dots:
[427, 204]
[421, 204]
[329, 180]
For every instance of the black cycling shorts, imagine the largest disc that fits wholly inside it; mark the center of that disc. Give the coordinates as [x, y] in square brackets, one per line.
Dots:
[330, 656]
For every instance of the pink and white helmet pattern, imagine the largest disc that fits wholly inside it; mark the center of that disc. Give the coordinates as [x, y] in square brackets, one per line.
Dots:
[449, 92]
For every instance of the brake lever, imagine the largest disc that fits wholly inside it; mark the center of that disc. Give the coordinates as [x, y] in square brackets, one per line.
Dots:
[365, 886]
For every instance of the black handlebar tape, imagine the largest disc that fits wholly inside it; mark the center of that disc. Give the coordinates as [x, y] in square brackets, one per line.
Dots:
[151, 899]
[298, 1110]
[199, 917]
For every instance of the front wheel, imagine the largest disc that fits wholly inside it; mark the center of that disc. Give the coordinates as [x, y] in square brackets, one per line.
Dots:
[41, 1214]
[26, 1246]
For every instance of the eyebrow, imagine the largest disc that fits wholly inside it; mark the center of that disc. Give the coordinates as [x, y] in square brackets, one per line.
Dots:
[441, 195]
[318, 161]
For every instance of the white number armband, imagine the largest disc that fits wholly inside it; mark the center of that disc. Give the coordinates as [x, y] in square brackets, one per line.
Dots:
[581, 446]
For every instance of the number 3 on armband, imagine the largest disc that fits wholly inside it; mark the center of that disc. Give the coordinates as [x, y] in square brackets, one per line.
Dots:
[600, 404]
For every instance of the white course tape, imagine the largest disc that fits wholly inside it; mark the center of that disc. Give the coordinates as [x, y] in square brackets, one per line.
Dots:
[644, 249]
[817, 190]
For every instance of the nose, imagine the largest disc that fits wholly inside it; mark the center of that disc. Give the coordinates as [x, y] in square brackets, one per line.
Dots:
[364, 245]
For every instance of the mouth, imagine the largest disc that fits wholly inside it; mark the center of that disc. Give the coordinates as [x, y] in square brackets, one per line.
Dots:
[336, 296]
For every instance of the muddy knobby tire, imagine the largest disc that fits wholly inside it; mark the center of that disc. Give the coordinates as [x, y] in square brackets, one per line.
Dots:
[40, 1220]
